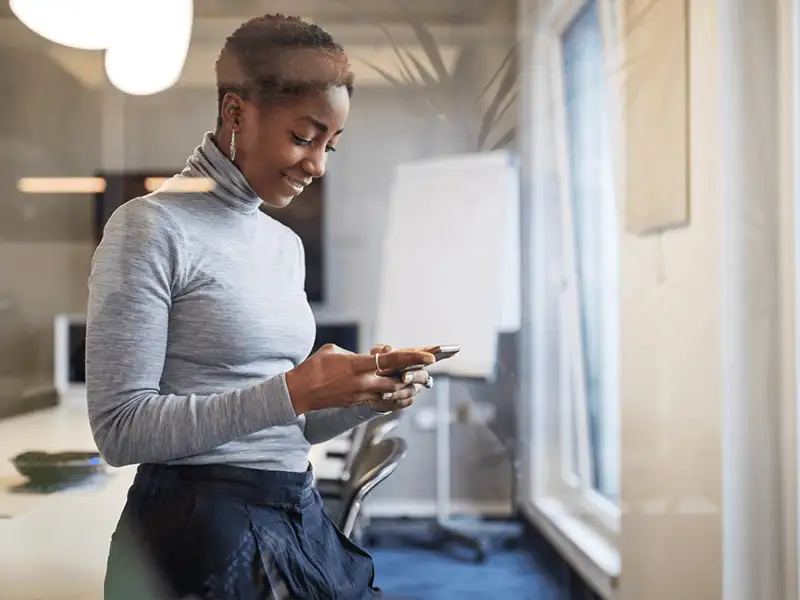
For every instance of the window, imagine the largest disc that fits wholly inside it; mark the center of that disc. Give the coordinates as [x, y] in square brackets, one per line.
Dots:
[590, 254]
[574, 285]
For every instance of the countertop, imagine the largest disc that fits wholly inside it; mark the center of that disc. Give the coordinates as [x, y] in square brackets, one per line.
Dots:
[54, 547]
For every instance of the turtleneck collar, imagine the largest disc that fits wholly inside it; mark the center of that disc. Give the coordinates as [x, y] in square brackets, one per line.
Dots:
[230, 186]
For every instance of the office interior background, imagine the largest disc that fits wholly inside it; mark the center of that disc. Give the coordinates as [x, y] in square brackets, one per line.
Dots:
[642, 425]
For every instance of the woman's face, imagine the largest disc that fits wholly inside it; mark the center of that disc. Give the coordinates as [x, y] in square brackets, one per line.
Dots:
[280, 149]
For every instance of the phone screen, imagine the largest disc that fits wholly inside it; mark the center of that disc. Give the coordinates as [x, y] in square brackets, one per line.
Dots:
[443, 352]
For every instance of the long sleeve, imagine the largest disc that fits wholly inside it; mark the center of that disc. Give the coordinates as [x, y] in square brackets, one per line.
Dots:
[326, 424]
[136, 270]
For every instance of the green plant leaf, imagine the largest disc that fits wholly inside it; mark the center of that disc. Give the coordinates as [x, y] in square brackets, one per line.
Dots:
[359, 13]
[509, 57]
[458, 90]
[460, 78]
[425, 75]
[509, 103]
[506, 86]
[504, 141]
[425, 91]
[431, 88]
[428, 43]
[387, 76]
[405, 69]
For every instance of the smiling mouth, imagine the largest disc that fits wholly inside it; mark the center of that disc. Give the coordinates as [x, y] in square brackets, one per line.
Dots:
[298, 185]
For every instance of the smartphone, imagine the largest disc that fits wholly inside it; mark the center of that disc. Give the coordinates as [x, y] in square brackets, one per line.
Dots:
[439, 353]
[443, 352]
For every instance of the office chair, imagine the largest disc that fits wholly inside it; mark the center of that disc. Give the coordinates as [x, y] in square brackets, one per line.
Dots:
[363, 437]
[375, 463]
[372, 464]
[380, 427]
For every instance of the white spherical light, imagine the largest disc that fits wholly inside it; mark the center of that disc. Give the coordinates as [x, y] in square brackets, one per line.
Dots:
[148, 54]
[84, 24]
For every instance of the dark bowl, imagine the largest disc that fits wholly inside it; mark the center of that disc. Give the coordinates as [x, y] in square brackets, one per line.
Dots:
[57, 467]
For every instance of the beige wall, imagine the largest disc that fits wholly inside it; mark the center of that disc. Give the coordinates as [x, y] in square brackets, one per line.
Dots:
[671, 367]
[707, 333]
[50, 126]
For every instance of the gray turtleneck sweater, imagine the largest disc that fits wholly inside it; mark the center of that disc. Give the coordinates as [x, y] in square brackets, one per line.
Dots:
[196, 310]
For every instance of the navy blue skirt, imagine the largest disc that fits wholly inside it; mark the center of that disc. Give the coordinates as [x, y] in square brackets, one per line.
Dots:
[231, 533]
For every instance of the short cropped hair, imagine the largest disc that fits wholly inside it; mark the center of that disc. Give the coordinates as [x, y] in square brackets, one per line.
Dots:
[266, 59]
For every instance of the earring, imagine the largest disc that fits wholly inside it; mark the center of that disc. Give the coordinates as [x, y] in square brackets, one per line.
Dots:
[233, 145]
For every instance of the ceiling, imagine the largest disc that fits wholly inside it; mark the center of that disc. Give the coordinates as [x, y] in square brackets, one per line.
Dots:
[88, 67]
[453, 24]
[450, 11]
[432, 11]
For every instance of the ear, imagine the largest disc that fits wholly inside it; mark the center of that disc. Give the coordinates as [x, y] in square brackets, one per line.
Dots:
[232, 110]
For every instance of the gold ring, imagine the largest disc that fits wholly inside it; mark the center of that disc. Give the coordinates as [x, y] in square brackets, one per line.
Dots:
[378, 362]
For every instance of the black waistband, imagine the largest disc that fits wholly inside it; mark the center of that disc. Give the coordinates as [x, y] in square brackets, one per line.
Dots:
[272, 487]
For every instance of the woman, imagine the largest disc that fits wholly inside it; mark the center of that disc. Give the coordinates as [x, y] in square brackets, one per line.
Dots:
[198, 327]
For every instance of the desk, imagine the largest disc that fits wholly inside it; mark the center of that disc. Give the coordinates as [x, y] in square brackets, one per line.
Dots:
[55, 547]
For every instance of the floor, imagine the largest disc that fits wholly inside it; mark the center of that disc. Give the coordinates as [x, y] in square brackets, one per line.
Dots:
[410, 566]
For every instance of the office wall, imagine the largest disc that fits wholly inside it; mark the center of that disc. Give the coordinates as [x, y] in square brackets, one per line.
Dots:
[707, 340]
[671, 377]
[49, 126]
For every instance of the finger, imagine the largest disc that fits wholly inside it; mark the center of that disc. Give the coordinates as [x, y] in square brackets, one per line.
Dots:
[380, 349]
[394, 360]
[408, 391]
[382, 385]
[404, 375]
[404, 394]
[368, 397]
[404, 403]
[420, 376]
[431, 349]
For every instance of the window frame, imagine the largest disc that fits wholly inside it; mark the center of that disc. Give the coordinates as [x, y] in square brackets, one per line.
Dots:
[582, 523]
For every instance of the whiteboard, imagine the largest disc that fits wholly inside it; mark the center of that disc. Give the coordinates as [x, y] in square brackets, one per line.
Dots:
[450, 268]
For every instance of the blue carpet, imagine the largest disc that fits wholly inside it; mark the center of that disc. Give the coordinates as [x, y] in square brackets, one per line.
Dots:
[421, 573]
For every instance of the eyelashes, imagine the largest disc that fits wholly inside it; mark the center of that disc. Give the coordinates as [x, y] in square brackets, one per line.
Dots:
[301, 141]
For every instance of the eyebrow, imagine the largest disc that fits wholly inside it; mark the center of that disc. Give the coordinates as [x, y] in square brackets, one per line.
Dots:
[318, 124]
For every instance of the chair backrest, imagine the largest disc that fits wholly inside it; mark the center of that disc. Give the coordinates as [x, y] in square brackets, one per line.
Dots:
[356, 444]
[380, 427]
[366, 435]
[374, 465]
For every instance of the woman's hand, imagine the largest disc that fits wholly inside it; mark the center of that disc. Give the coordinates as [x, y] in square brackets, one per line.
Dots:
[334, 377]
[413, 382]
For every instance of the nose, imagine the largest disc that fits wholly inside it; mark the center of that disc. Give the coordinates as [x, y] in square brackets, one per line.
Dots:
[314, 164]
